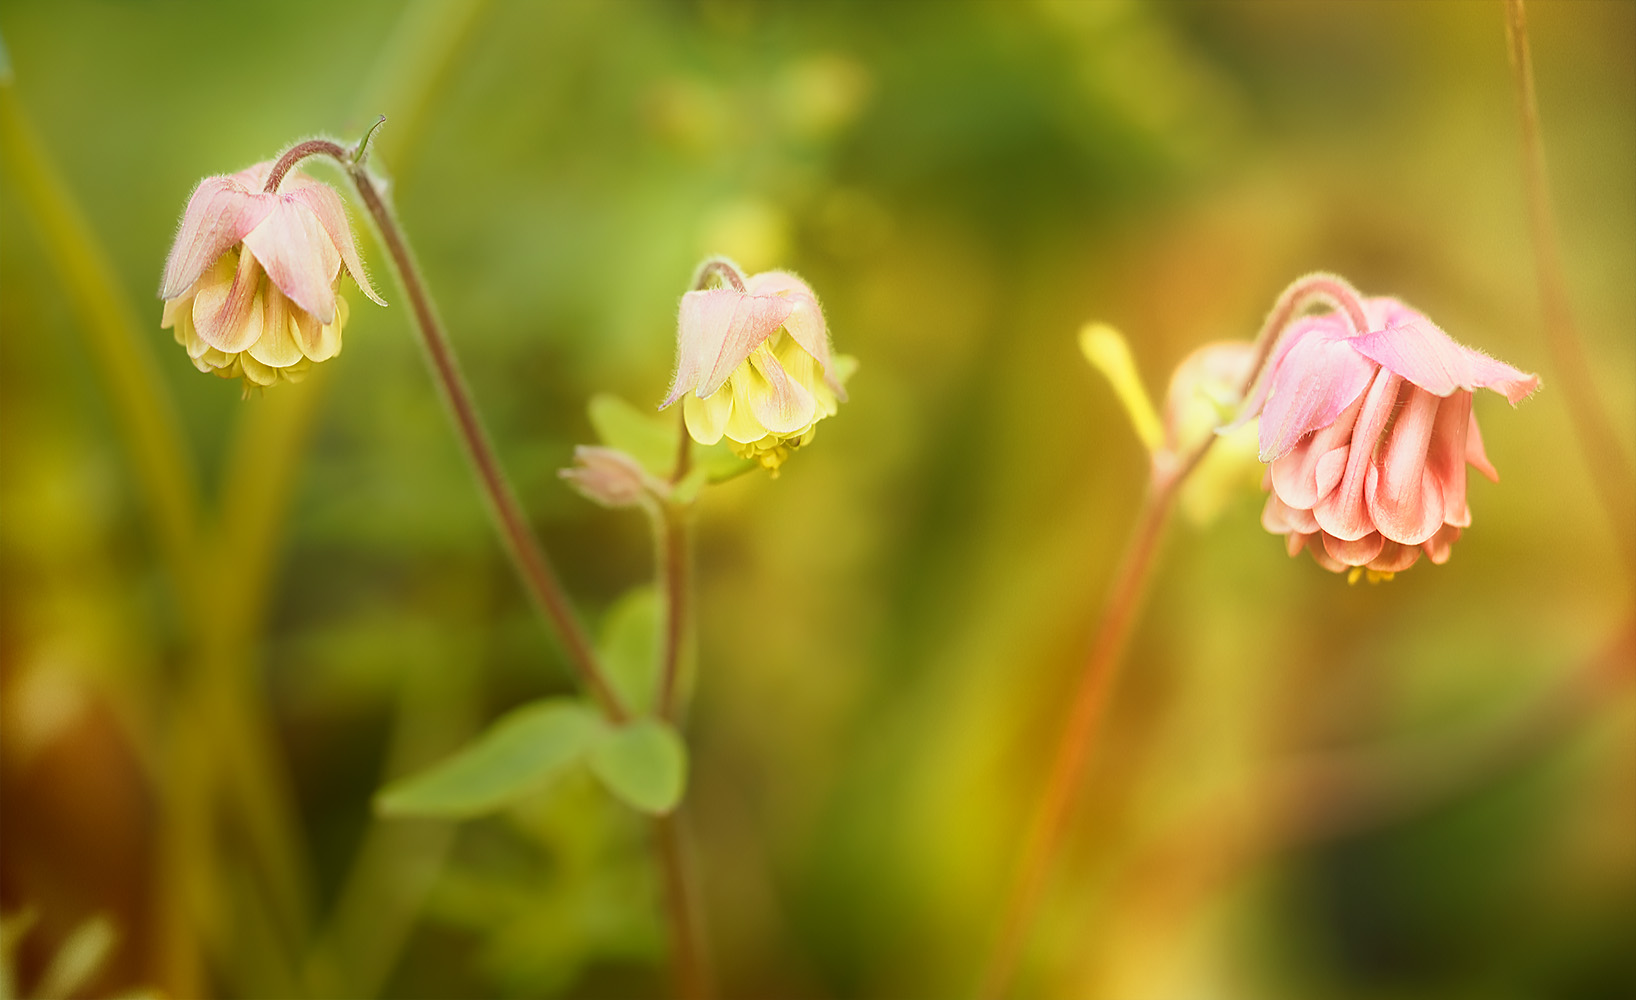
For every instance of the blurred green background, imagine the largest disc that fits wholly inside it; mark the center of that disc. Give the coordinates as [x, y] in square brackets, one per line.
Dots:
[889, 632]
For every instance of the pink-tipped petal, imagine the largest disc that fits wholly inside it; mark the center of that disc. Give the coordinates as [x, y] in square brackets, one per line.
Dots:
[1416, 349]
[219, 214]
[1404, 495]
[1354, 551]
[1344, 513]
[805, 323]
[1309, 471]
[299, 257]
[702, 321]
[1394, 558]
[226, 315]
[1316, 381]
[781, 405]
[1475, 455]
[755, 318]
[324, 203]
[1295, 541]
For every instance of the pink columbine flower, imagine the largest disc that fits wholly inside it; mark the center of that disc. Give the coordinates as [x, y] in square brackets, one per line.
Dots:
[251, 283]
[754, 363]
[1368, 435]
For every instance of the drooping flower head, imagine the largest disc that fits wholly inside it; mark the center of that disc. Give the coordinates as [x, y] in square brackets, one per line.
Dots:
[754, 363]
[1367, 434]
[252, 283]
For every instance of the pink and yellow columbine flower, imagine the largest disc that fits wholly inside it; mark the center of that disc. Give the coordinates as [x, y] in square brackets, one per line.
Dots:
[1368, 436]
[251, 285]
[755, 366]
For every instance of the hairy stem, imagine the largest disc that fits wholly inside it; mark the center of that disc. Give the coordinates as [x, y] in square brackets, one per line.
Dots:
[1610, 467]
[529, 556]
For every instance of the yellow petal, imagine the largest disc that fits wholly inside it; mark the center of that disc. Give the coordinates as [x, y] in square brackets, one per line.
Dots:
[707, 418]
[276, 348]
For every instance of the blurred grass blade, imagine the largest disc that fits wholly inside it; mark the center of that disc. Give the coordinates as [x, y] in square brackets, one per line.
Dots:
[517, 756]
[644, 765]
[76, 963]
[144, 413]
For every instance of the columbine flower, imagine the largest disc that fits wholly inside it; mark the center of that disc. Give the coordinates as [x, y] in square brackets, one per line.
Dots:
[1368, 436]
[251, 283]
[755, 366]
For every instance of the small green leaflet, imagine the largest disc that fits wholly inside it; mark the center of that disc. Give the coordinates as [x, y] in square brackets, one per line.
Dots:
[644, 764]
[518, 755]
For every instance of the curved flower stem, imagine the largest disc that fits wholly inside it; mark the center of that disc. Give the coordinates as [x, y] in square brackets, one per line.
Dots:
[1610, 467]
[1101, 670]
[539, 576]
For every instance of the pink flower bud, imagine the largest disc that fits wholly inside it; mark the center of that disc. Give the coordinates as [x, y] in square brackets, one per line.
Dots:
[251, 283]
[1368, 435]
[612, 478]
[755, 366]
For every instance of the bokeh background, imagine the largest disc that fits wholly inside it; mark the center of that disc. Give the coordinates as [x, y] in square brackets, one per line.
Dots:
[889, 632]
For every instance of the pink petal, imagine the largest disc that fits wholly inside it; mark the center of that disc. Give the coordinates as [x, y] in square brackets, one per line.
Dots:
[805, 323]
[326, 205]
[1344, 513]
[1356, 551]
[701, 330]
[1475, 454]
[1416, 349]
[1439, 546]
[1446, 458]
[299, 257]
[219, 214]
[1394, 558]
[1309, 471]
[229, 319]
[1320, 555]
[1292, 334]
[1295, 541]
[1279, 517]
[1404, 495]
[1317, 380]
[755, 318]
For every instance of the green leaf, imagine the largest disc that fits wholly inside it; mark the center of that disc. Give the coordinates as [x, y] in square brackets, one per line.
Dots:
[650, 438]
[518, 755]
[644, 764]
[629, 648]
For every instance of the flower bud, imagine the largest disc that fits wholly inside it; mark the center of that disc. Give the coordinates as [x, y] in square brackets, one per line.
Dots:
[251, 285]
[755, 367]
[1367, 435]
[1203, 394]
[610, 477]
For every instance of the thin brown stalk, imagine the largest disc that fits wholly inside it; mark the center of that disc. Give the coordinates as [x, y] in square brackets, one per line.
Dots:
[1101, 670]
[524, 547]
[1609, 465]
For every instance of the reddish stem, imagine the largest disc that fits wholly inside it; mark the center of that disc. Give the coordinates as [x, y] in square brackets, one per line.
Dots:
[530, 557]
